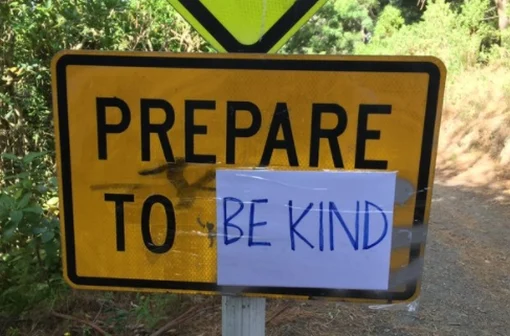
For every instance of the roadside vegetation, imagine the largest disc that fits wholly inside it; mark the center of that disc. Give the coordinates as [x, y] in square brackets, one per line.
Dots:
[469, 36]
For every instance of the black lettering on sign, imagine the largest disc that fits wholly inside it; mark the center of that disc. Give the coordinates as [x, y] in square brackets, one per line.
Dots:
[233, 107]
[103, 128]
[280, 120]
[331, 134]
[365, 134]
[119, 200]
[170, 224]
[190, 129]
[146, 106]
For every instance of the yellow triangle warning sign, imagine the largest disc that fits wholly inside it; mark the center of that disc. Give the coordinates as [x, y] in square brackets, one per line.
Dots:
[247, 25]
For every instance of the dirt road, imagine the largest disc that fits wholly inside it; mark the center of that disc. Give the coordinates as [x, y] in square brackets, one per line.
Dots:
[466, 285]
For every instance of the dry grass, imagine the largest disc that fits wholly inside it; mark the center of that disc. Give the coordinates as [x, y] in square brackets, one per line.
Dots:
[319, 318]
[474, 144]
[88, 313]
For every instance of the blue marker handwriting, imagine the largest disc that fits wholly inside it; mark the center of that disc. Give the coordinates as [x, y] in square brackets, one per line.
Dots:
[325, 216]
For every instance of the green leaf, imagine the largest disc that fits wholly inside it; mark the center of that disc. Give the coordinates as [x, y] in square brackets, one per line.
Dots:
[27, 184]
[4, 212]
[41, 286]
[9, 156]
[54, 223]
[51, 249]
[34, 209]
[47, 236]
[16, 258]
[9, 233]
[10, 290]
[42, 189]
[32, 156]
[18, 193]
[18, 176]
[16, 216]
[53, 181]
[39, 230]
[6, 201]
[24, 201]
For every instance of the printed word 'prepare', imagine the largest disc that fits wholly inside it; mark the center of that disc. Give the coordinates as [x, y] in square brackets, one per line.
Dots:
[279, 136]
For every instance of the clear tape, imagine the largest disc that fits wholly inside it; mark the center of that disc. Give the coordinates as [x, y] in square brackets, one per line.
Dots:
[401, 237]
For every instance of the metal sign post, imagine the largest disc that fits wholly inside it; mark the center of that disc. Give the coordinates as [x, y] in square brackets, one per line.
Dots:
[243, 316]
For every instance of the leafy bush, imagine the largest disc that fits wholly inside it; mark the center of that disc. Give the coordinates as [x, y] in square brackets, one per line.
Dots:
[32, 33]
[455, 36]
[335, 29]
[388, 23]
[29, 233]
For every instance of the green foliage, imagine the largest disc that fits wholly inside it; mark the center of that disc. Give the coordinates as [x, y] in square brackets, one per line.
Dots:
[147, 306]
[142, 314]
[411, 10]
[462, 33]
[32, 32]
[29, 233]
[13, 332]
[388, 23]
[335, 29]
[455, 36]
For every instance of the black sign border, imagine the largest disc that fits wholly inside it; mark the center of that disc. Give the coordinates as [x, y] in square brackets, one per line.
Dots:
[255, 63]
[265, 43]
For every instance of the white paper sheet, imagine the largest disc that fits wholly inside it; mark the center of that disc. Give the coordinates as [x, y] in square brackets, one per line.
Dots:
[307, 229]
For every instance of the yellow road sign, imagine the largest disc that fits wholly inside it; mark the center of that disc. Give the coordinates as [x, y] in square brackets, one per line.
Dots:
[141, 135]
[248, 25]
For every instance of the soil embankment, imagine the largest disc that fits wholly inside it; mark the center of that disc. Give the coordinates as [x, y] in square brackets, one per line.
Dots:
[474, 144]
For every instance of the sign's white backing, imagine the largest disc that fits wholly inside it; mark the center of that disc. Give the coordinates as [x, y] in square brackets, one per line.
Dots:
[311, 229]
